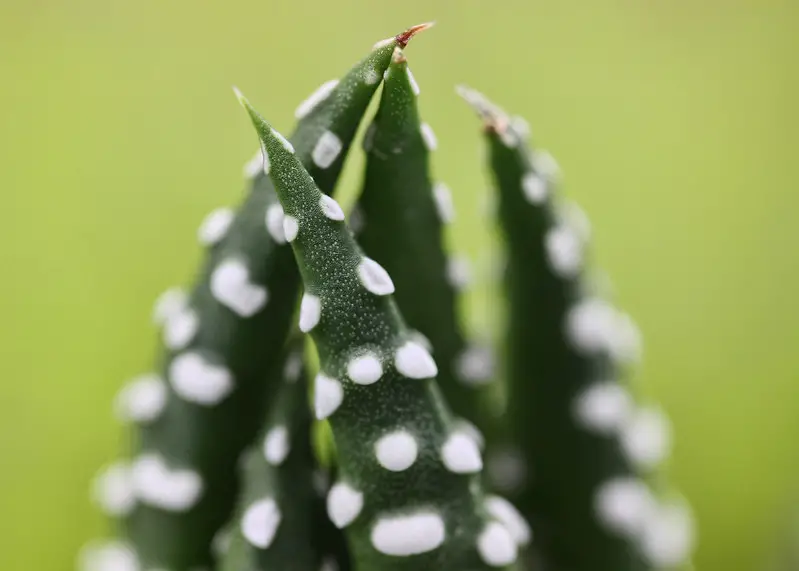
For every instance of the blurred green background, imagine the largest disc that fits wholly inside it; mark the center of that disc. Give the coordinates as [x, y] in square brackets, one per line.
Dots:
[675, 123]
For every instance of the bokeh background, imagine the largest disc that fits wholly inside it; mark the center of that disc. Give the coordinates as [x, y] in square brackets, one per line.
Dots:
[675, 123]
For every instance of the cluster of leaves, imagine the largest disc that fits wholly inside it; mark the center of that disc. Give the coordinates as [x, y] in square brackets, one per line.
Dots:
[225, 475]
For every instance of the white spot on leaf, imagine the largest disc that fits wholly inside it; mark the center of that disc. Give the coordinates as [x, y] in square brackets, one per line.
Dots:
[142, 400]
[459, 272]
[108, 556]
[276, 445]
[408, 534]
[169, 303]
[646, 437]
[668, 536]
[505, 513]
[310, 312]
[113, 490]
[214, 227]
[331, 208]
[159, 486]
[429, 137]
[564, 251]
[255, 165]
[461, 454]
[444, 205]
[260, 522]
[199, 382]
[475, 365]
[327, 150]
[328, 396]
[603, 407]
[365, 369]
[374, 278]
[413, 361]
[535, 188]
[180, 328]
[283, 141]
[344, 503]
[396, 451]
[274, 223]
[231, 286]
[496, 545]
[290, 227]
[623, 504]
[317, 97]
[412, 81]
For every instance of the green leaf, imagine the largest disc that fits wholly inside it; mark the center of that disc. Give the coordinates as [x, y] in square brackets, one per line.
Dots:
[409, 492]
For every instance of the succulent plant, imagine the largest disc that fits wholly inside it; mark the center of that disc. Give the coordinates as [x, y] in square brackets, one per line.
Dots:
[226, 474]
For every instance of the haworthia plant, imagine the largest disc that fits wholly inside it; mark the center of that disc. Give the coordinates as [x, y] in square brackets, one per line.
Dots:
[403, 213]
[575, 423]
[408, 494]
[399, 384]
[222, 342]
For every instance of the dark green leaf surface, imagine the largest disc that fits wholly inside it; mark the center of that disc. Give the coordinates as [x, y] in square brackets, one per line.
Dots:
[583, 442]
[404, 213]
[408, 492]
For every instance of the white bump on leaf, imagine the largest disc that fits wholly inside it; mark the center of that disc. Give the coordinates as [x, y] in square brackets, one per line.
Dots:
[159, 486]
[396, 451]
[328, 396]
[534, 188]
[344, 503]
[331, 208]
[506, 468]
[260, 522]
[369, 137]
[384, 43]
[169, 303]
[668, 535]
[276, 445]
[180, 328]
[505, 513]
[412, 81]
[603, 407]
[255, 165]
[220, 544]
[623, 504]
[327, 150]
[230, 285]
[142, 400]
[413, 361]
[365, 369]
[409, 534]
[545, 164]
[266, 163]
[646, 437]
[461, 454]
[198, 381]
[317, 97]
[215, 226]
[370, 76]
[310, 312]
[470, 430]
[290, 227]
[564, 251]
[283, 141]
[444, 205]
[589, 324]
[459, 272]
[374, 278]
[113, 490]
[329, 564]
[475, 365]
[429, 137]
[293, 366]
[274, 223]
[108, 556]
[496, 545]
[521, 126]
[356, 219]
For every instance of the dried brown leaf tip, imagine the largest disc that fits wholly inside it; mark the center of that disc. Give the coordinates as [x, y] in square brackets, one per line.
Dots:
[403, 38]
[495, 119]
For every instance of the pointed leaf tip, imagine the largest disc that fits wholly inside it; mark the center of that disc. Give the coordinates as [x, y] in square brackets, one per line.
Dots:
[493, 116]
[405, 37]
